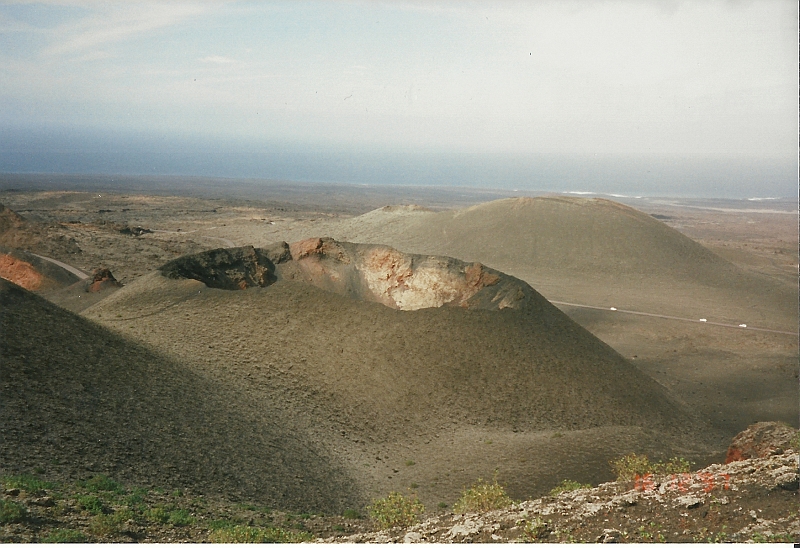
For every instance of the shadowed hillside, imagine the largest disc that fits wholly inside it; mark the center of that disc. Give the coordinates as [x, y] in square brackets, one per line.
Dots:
[78, 399]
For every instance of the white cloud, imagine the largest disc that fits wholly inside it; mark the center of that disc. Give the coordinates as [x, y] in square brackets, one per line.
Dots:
[117, 22]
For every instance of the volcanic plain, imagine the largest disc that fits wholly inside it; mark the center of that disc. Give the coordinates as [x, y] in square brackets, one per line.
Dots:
[315, 347]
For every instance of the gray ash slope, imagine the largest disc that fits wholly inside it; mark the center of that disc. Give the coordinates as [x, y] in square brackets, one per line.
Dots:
[375, 384]
[78, 399]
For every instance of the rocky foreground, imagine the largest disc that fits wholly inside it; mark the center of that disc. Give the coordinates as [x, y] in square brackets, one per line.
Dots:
[753, 500]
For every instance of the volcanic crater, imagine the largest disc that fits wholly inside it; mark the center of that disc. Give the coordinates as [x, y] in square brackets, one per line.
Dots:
[362, 272]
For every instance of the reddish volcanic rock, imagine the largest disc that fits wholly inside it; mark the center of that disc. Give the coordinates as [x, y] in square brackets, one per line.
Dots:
[102, 278]
[20, 272]
[761, 440]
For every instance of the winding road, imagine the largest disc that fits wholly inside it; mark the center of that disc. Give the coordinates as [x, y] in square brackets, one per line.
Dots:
[79, 273]
[703, 321]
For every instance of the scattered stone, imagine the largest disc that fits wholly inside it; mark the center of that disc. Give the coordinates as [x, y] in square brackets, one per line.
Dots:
[135, 231]
[688, 501]
[609, 536]
[761, 439]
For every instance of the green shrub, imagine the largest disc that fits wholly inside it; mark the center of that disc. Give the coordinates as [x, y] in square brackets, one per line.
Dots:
[536, 529]
[351, 514]
[90, 503]
[103, 525]
[26, 482]
[396, 510]
[64, 535]
[11, 512]
[100, 483]
[157, 514]
[180, 517]
[628, 467]
[566, 486]
[260, 535]
[482, 497]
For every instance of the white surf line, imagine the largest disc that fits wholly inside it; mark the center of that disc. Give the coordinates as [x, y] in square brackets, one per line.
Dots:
[79, 273]
[706, 322]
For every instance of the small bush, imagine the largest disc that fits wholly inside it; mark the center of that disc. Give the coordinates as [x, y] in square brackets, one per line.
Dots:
[90, 503]
[396, 510]
[260, 535]
[11, 512]
[26, 482]
[536, 529]
[482, 497]
[64, 536]
[180, 517]
[628, 467]
[100, 483]
[157, 514]
[103, 526]
[351, 514]
[566, 486]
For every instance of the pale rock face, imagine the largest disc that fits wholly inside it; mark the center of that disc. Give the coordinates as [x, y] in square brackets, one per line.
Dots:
[364, 272]
[399, 280]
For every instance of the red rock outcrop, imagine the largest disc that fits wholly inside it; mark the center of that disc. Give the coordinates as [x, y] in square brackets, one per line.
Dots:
[760, 440]
[20, 272]
[102, 278]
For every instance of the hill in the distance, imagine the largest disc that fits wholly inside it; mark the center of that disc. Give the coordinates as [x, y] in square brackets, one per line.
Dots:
[591, 251]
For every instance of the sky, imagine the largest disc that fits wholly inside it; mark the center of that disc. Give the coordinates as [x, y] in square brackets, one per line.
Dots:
[660, 77]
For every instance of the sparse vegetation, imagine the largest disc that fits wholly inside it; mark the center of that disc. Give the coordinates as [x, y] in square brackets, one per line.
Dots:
[482, 497]
[260, 535]
[26, 482]
[351, 514]
[629, 466]
[11, 512]
[396, 510]
[566, 486]
[101, 483]
[536, 530]
[59, 536]
[90, 503]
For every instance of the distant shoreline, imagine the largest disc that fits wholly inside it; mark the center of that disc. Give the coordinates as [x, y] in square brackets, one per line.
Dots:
[254, 188]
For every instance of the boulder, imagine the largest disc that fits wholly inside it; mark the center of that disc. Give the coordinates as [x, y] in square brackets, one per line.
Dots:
[760, 440]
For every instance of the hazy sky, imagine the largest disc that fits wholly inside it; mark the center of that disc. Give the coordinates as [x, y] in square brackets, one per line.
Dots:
[573, 77]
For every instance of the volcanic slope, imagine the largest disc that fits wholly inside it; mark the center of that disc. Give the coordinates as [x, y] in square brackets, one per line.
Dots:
[35, 274]
[435, 396]
[590, 251]
[77, 399]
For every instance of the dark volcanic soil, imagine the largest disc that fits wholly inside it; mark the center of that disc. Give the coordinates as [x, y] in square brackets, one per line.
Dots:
[456, 392]
[78, 399]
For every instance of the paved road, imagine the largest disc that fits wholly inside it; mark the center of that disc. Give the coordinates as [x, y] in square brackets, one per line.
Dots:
[79, 273]
[607, 309]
